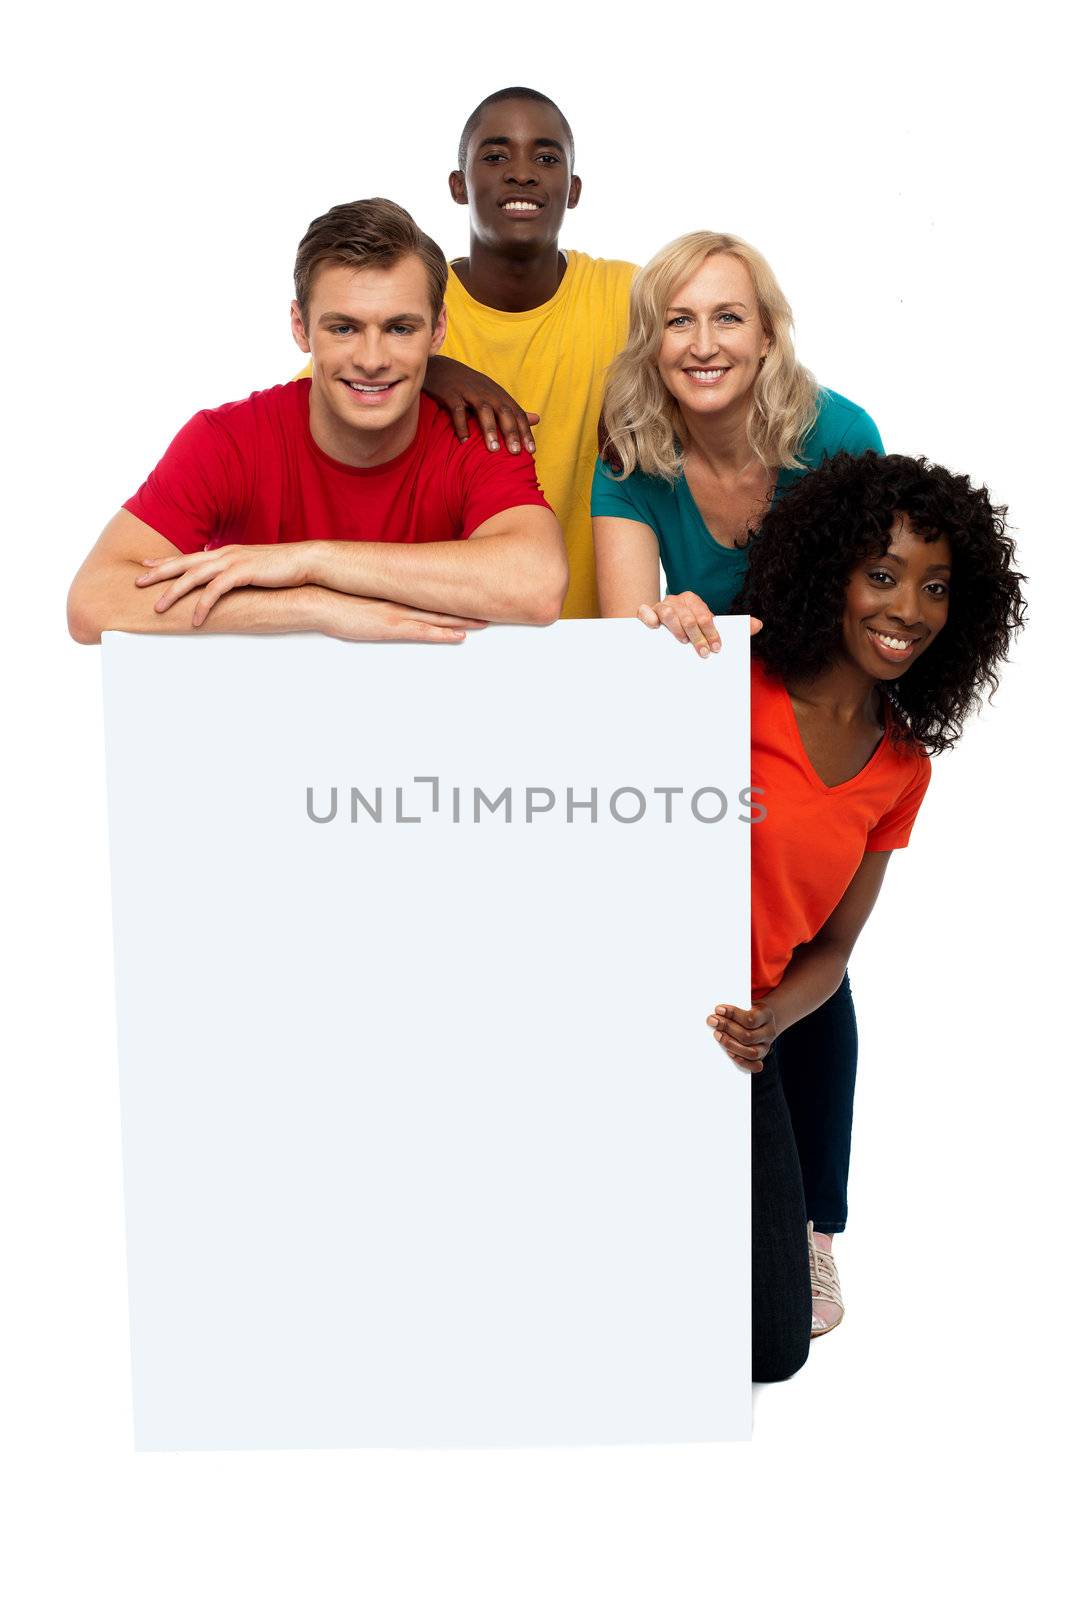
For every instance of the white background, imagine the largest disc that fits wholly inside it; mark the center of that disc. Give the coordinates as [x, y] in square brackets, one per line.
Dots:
[895, 165]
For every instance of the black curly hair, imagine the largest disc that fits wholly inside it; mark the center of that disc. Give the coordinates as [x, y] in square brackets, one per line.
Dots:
[802, 558]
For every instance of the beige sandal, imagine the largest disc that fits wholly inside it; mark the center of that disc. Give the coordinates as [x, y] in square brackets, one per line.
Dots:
[824, 1286]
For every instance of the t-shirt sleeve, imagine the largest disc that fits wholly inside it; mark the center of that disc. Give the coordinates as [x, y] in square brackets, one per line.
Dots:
[617, 497]
[196, 490]
[491, 481]
[892, 832]
[860, 433]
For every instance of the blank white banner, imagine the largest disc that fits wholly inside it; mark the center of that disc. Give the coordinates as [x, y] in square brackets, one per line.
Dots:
[426, 1140]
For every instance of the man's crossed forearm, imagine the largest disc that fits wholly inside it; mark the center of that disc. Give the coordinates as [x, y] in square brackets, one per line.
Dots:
[106, 595]
[135, 581]
[512, 570]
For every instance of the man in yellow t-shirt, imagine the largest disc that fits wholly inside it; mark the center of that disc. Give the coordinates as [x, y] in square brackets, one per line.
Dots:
[544, 325]
[530, 329]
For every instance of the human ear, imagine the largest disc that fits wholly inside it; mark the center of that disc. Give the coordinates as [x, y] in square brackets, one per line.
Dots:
[299, 332]
[439, 332]
[574, 192]
[457, 184]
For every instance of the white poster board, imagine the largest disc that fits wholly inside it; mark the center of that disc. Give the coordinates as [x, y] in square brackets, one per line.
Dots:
[426, 1141]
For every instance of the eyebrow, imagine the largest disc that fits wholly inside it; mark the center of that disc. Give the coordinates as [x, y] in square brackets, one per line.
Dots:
[393, 316]
[900, 561]
[502, 138]
[725, 305]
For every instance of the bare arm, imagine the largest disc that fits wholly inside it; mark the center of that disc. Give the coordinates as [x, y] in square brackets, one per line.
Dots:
[813, 975]
[105, 595]
[626, 566]
[460, 389]
[511, 569]
[816, 970]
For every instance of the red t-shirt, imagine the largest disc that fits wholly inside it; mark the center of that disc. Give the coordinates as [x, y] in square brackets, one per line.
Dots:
[810, 844]
[250, 473]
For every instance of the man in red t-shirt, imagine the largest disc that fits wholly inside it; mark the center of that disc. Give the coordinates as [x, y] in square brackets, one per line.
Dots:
[342, 503]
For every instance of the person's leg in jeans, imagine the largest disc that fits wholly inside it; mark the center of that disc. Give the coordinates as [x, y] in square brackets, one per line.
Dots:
[818, 1062]
[780, 1274]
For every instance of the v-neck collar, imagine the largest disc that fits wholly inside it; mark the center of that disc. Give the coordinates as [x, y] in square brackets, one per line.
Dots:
[735, 550]
[801, 753]
[729, 549]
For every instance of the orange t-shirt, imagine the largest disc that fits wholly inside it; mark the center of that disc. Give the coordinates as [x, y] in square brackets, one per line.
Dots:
[811, 842]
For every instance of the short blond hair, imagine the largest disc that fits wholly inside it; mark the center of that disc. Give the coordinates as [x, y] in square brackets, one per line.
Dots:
[642, 418]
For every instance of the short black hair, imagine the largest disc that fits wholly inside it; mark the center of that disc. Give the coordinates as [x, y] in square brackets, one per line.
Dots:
[803, 556]
[509, 94]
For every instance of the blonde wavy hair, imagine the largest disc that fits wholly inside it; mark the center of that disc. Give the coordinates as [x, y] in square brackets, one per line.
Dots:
[642, 419]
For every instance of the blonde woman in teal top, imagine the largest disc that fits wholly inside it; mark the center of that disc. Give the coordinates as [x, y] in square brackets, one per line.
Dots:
[693, 558]
[710, 417]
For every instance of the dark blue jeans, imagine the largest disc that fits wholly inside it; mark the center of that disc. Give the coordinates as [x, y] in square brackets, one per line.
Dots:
[801, 1106]
[780, 1270]
[818, 1060]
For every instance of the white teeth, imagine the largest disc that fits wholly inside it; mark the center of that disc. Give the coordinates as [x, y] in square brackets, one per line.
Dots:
[707, 375]
[520, 205]
[892, 644]
[368, 388]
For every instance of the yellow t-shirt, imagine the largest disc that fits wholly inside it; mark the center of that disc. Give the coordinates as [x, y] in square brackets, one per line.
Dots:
[553, 360]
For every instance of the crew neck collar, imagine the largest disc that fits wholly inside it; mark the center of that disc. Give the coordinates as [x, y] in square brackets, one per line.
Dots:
[457, 290]
[344, 466]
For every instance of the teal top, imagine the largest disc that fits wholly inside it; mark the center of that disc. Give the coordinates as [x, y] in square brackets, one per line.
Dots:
[693, 559]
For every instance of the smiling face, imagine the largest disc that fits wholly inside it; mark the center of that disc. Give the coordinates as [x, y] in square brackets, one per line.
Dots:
[518, 181]
[896, 603]
[370, 332]
[713, 339]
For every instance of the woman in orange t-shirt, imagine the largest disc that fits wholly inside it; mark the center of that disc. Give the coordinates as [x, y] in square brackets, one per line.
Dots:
[888, 598]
